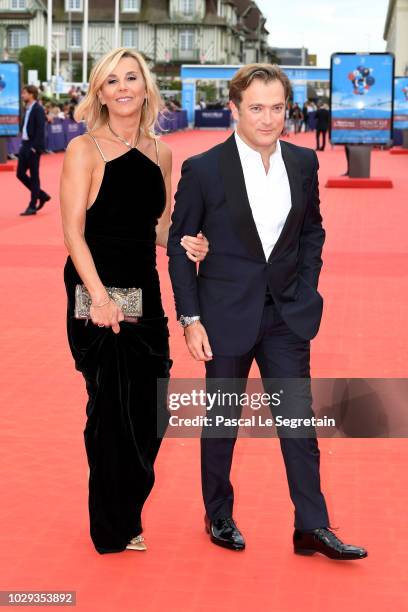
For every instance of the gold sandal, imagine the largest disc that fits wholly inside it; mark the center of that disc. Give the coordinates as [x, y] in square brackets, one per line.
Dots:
[137, 543]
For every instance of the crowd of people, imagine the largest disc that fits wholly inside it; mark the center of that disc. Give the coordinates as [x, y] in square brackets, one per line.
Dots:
[172, 104]
[300, 119]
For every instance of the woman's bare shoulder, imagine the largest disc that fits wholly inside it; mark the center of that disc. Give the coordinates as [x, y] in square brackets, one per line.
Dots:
[82, 150]
[81, 144]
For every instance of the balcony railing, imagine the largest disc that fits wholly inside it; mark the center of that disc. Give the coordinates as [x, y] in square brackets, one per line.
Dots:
[184, 55]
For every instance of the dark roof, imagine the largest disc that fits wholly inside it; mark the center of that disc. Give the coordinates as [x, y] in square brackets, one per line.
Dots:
[157, 12]
[103, 10]
[251, 18]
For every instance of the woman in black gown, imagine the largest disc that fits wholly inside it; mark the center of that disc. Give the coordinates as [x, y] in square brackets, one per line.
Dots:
[115, 204]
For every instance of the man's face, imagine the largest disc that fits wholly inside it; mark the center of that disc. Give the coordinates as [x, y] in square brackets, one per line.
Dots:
[27, 97]
[261, 113]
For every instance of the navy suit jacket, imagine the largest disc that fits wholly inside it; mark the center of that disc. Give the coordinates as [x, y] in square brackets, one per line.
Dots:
[36, 128]
[322, 119]
[228, 291]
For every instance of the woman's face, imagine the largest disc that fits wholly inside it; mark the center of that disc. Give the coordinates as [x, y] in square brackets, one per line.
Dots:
[124, 90]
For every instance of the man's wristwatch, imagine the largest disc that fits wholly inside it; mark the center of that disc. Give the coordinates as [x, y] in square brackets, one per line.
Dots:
[186, 321]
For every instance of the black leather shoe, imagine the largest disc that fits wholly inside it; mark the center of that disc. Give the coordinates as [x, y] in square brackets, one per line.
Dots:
[324, 541]
[43, 200]
[224, 532]
[28, 211]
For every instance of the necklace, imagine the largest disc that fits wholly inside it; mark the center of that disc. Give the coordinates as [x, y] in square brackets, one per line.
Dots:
[128, 144]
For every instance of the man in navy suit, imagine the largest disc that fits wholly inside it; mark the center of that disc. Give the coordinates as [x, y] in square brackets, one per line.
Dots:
[255, 296]
[32, 146]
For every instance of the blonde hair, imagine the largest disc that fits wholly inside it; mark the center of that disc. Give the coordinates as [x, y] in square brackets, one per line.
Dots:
[95, 114]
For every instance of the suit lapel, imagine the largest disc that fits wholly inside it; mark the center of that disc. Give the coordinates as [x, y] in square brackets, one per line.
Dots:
[238, 203]
[237, 198]
[296, 192]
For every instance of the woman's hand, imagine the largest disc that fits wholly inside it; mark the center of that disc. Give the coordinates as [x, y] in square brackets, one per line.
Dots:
[107, 315]
[196, 248]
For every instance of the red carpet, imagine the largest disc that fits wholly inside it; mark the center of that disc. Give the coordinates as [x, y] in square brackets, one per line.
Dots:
[43, 517]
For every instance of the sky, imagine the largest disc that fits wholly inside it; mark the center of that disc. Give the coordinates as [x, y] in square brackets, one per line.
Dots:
[326, 26]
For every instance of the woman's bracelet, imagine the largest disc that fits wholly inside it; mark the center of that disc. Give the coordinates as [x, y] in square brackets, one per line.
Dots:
[103, 304]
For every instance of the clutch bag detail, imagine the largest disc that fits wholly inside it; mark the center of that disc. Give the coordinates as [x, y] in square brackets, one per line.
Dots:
[129, 301]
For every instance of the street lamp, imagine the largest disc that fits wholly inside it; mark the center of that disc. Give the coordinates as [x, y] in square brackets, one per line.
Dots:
[85, 44]
[49, 41]
[116, 30]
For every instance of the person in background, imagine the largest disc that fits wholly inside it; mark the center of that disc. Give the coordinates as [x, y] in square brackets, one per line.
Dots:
[296, 117]
[48, 114]
[32, 146]
[65, 109]
[305, 119]
[73, 94]
[322, 125]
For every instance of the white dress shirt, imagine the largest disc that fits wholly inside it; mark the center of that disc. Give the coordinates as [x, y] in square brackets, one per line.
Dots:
[268, 194]
[26, 118]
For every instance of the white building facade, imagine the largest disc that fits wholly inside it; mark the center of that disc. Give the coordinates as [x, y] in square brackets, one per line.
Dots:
[167, 32]
[396, 34]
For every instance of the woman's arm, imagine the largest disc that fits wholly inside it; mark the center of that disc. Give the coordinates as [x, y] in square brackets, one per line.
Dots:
[74, 193]
[162, 227]
[196, 247]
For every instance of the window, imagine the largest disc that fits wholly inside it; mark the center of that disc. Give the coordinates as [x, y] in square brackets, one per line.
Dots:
[18, 5]
[75, 40]
[129, 38]
[187, 7]
[17, 38]
[186, 40]
[130, 6]
[73, 5]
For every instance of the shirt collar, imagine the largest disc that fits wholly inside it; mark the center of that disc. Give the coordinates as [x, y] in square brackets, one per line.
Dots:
[246, 151]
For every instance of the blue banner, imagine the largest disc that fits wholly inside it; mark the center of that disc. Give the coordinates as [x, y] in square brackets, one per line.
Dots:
[188, 95]
[401, 103]
[9, 98]
[299, 89]
[361, 98]
[212, 118]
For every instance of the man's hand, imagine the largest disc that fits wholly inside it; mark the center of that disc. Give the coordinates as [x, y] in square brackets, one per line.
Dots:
[197, 341]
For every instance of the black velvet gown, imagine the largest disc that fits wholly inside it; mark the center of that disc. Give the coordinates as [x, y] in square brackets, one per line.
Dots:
[121, 370]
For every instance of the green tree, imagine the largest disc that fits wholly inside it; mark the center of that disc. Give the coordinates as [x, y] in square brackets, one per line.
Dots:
[34, 57]
[77, 69]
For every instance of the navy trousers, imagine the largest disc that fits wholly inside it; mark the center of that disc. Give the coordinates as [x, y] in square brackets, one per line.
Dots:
[30, 161]
[279, 353]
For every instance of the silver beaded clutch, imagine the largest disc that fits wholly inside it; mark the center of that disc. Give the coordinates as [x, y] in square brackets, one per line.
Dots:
[129, 301]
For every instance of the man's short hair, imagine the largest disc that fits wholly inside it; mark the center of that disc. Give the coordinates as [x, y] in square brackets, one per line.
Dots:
[32, 89]
[264, 72]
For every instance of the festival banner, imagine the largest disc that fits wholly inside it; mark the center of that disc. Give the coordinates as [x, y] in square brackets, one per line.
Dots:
[10, 91]
[361, 98]
[401, 103]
